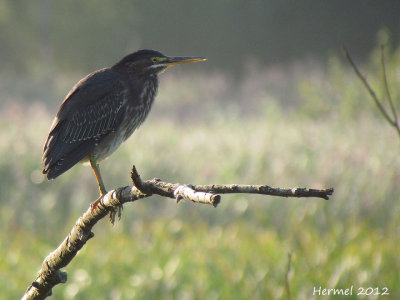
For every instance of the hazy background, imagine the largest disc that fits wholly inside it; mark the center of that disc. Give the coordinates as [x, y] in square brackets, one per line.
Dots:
[275, 103]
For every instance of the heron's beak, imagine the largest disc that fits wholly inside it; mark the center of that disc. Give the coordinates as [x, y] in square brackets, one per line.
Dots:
[176, 60]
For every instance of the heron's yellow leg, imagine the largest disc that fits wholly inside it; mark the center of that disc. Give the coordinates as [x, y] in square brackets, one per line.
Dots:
[103, 191]
[96, 171]
[100, 182]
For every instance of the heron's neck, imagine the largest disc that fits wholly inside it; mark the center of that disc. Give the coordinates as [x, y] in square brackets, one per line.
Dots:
[149, 86]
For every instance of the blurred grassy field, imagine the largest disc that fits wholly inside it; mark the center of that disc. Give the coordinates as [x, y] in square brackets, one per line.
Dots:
[307, 126]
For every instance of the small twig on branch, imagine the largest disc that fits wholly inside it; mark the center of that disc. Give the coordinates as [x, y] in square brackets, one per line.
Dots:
[392, 121]
[50, 274]
[174, 190]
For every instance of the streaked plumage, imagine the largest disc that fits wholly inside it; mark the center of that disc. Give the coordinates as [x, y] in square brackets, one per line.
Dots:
[103, 110]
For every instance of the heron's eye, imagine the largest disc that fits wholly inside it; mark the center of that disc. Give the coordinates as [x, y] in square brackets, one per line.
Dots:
[154, 60]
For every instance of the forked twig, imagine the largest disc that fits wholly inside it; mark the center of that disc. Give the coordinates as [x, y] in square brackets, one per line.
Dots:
[391, 120]
[385, 82]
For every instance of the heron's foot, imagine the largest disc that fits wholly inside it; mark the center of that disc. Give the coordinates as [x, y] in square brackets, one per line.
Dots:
[96, 203]
[116, 212]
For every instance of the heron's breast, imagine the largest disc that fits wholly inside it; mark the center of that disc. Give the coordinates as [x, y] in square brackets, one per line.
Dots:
[137, 109]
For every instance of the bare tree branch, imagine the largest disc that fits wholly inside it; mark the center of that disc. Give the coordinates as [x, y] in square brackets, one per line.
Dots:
[50, 273]
[392, 121]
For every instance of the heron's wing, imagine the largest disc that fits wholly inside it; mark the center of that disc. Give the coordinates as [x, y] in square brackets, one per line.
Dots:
[95, 120]
[94, 108]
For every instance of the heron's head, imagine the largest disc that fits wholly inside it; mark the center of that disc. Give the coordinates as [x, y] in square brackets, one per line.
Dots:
[153, 62]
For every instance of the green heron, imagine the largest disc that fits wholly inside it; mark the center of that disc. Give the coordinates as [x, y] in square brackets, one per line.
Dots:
[102, 110]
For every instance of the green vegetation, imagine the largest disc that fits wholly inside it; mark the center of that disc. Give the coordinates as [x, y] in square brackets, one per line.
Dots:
[210, 129]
